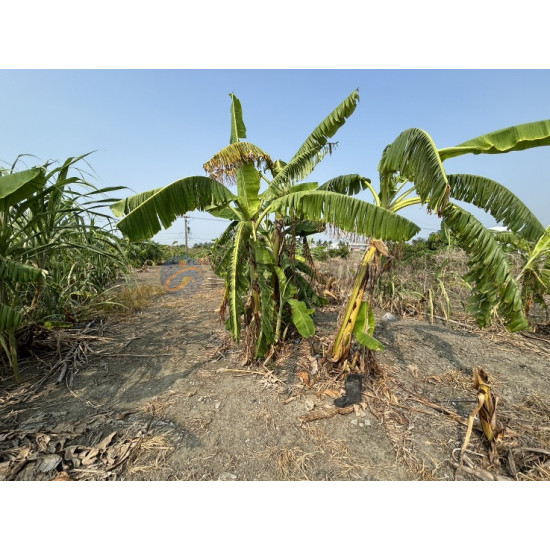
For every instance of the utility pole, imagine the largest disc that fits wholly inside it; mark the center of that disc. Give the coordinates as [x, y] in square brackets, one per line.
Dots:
[185, 218]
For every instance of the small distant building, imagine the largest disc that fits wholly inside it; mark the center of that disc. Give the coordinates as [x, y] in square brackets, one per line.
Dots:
[361, 247]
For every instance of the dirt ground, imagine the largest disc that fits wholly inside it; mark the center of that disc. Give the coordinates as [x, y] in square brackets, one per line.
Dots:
[163, 395]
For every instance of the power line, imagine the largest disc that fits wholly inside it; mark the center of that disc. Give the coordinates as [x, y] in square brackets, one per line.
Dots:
[209, 219]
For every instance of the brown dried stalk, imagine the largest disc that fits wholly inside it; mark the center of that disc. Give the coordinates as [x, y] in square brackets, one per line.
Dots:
[486, 408]
[327, 412]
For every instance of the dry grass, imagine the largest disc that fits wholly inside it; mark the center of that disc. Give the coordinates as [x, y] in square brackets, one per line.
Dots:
[522, 450]
[337, 453]
[297, 464]
[151, 456]
[293, 463]
[158, 405]
[129, 298]
[531, 416]
[417, 425]
[320, 456]
[540, 472]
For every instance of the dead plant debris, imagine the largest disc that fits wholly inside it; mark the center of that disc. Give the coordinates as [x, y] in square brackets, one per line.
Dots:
[418, 399]
[99, 446]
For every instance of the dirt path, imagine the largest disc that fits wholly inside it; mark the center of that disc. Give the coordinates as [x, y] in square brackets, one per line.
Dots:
[160, 386]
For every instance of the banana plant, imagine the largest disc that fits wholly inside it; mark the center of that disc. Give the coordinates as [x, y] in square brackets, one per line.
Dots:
[264, 279]
[534, 276]
[411, 172]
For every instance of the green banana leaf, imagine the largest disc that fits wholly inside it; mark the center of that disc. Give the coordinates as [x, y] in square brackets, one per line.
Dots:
[542, 248]
[350, 184]
[347, 213]
[496, 199]
[314, 148]
[20, 185]
[494, 285]
[513, 138]
[248, 186]
[148, 213]
[16, 272]
[414, 155]
[364, 328]
[238, 129]
[301, 317]
[10, 319]
[329, 126]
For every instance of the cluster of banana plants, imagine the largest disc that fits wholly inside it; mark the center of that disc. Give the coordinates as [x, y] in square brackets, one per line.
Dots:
[411, 172]
[268, 282]
[57, 251]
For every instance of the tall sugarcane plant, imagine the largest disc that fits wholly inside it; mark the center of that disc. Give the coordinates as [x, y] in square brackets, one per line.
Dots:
[411, 172]
[14, 187]
[266, 281]
[55, 254]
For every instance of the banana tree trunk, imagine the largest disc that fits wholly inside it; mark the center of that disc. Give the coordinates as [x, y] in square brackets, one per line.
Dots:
[254, 284]
[342, 343]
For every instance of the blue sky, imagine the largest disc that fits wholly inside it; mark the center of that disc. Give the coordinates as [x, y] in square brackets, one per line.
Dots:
[152, 127]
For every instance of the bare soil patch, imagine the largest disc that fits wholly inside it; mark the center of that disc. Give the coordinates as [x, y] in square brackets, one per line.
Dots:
[164, 396]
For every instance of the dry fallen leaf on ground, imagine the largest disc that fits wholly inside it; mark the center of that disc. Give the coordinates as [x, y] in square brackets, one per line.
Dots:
[326, 412]
[330, 393]
[104, 443]
[62, 476]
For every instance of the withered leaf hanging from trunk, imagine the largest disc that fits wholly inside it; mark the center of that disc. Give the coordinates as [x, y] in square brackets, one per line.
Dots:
[224, 165]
